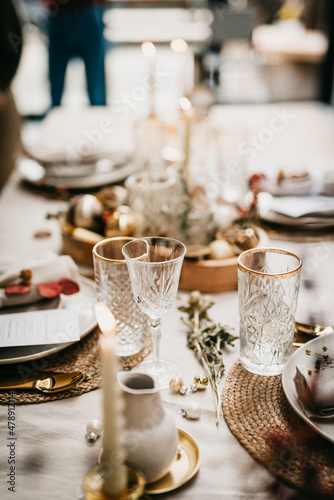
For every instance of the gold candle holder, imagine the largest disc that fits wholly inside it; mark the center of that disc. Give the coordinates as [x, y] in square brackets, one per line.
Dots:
[93, 484]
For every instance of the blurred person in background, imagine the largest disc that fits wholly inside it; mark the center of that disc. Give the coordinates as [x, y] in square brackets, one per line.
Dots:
[10, 52]
[76, 30]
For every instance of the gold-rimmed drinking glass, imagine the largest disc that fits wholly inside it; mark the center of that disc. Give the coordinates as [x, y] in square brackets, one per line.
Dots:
[113, 288]
[268, 287]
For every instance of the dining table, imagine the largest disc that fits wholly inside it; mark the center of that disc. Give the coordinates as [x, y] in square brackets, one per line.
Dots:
[51, 451]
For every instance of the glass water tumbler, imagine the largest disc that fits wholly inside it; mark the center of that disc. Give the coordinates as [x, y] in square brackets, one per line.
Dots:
[268, 287]
[114, 290]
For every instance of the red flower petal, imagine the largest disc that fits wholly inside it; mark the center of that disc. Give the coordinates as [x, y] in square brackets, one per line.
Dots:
[17, 289]
[68, 287]
[49, 290]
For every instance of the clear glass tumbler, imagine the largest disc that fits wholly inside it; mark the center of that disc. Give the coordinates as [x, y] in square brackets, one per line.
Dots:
[114, 290]
[148, 193]
[268, 287]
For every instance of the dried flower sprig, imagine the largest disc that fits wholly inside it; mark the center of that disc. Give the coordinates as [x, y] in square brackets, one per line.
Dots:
[207, 338]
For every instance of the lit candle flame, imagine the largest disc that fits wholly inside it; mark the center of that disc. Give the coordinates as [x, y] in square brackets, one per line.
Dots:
[179, 46]
[105, 318]
[148, 50]
[185, 104]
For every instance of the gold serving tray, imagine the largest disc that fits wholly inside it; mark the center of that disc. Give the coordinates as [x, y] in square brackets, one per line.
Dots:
[183, 468]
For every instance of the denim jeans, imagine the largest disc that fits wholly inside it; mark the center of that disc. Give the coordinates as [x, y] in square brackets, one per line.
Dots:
[77, 33]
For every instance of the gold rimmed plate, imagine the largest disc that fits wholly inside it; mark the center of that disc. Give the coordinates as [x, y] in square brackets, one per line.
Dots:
[34, 173]
[184, 467]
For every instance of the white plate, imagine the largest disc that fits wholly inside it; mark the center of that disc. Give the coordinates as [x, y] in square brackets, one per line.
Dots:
[299, 357]
[82, 302]
[33, 172]
[268, 215]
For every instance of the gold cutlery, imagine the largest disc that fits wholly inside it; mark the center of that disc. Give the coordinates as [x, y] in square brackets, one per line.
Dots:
[315, 330]
[46, 382]
[305, 332]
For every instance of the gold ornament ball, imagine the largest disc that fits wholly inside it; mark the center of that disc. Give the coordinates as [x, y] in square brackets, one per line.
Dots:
[85, 210]
[201, 381]
[120, 223]
[176, 383]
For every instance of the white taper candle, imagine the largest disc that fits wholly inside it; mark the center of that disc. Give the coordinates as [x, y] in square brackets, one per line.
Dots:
[113, 450]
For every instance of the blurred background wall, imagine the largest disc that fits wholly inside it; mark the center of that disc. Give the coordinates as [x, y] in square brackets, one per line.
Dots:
[242, 51]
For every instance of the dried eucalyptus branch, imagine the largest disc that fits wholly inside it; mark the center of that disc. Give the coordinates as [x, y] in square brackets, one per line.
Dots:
[207, 339]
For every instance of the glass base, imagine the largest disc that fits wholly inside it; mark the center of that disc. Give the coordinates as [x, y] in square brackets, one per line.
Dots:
[167, 371]
[261, 369]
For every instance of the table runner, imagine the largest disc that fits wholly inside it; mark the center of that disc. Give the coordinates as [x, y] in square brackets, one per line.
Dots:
[83, 355]
[260, 417]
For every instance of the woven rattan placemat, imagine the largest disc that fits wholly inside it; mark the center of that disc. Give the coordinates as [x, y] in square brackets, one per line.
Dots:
[83, 356]
[261, 418]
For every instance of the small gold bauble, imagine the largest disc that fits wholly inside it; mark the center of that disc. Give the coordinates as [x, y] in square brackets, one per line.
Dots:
[120, 223]
[201, 381]
[176, 383]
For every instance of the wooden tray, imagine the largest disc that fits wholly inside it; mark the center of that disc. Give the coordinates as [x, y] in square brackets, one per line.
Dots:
[208, 276]
[78, 247]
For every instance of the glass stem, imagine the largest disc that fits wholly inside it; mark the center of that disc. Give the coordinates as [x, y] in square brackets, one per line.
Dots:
[155, 332]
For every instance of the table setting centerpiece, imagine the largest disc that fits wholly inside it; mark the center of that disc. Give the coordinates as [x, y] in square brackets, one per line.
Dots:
[162, 203]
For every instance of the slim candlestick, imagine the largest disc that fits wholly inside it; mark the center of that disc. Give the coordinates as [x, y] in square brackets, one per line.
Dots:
[180, 47]
[150, 53]
[187, 115]
[113, 451]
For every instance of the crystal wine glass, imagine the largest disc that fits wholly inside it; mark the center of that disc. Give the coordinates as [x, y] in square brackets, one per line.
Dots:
[154, 266]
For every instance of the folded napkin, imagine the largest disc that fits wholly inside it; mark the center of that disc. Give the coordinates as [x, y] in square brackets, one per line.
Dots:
[47, 267]
[315, 389]
[303, 206]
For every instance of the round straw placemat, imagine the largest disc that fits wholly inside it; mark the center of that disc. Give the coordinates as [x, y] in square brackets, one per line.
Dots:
[81, 356]
[260, 417]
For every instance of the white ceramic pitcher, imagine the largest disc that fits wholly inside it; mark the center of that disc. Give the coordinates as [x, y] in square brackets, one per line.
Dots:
[150, 434]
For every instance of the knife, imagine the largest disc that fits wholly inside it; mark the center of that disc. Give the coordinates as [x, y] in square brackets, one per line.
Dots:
[47, 382]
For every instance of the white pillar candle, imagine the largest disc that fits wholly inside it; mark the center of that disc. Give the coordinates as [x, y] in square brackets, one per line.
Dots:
[113, 450]
[150, 53]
